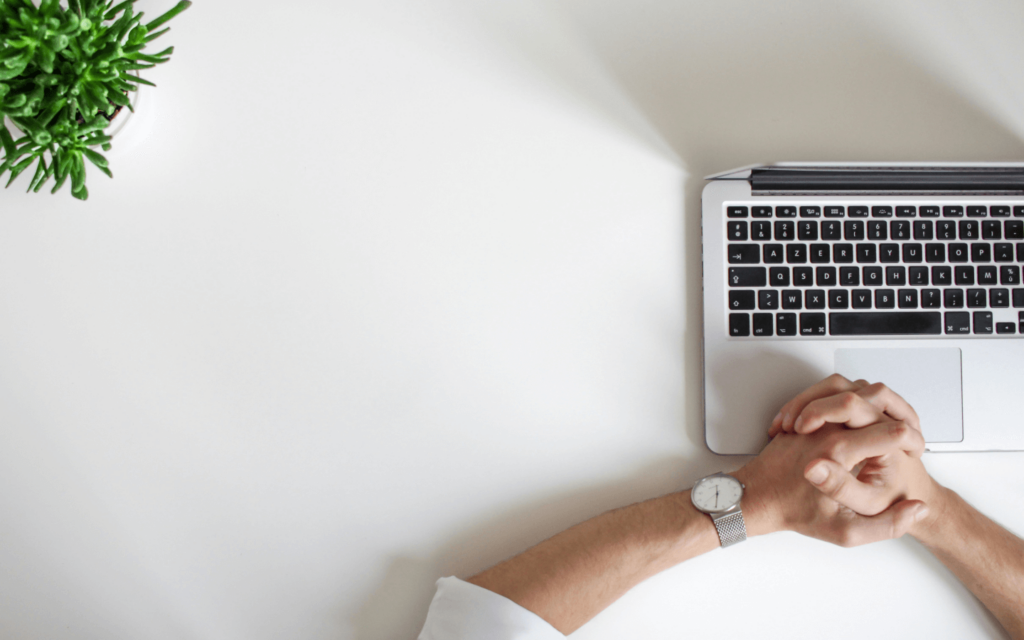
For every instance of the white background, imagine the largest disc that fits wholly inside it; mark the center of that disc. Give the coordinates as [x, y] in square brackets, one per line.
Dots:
[390, 290]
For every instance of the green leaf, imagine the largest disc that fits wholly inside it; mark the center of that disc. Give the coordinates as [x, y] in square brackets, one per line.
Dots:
[18, 168]
[95, 158]
[40, 172]
[81, 194]
[178, 8]
[8, 143]
[153, 36]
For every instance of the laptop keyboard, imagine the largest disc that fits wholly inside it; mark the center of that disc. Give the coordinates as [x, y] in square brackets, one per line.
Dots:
[837, 271]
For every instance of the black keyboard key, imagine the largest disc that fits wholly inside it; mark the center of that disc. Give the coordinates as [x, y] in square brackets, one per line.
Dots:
[881, 212]
[969, 230]
[741, 300]
[987, 275]
[796, 253]
[785, 324]
[953, 211]
[767, 299]
[838, 299]
[762, 324]
[976, 298]
[1009, 275]
[760, 230]
[858, 212]
[981, 252]
[831, 230]
[885, 299]
[977, 211]
[942, 276]
[778, 276]
[935, 252]
[892, 323]
[929, 212]
[999, 298]
[877, 230]
[812, 324]
[945, 230]
[784, 230]
[1013, 229]
[803, 276]
[906, 212]
[991, 230]
[748, 276]
[737, 212]
[737, 230]
[861, 298]
[1020, 252]
[958, 252]
[983, 322]
[853, 229]
[834, 211]
[1005, 327]
[849, 276]
[744, 254]
[842, 253]
[931, 298]
[814, 299]
[913, 252]
[1018, 298]
[958, 322]
[792, 299]
[820, 254]
[867, 253]
[772, 253]
[895, 276]
[899, 230]
[872, 276]
[785, 212]
[923, 230]
[810, 212]
[1002, 252]
[739, 324]
[953, 298]
[999, 211]
[760, 212]
[807, 230]
[888, 252]
[907, 298]
[826, 276]
[963, 275]
[919, 276]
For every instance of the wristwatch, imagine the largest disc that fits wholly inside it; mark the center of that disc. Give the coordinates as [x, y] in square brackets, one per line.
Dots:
[718, 495]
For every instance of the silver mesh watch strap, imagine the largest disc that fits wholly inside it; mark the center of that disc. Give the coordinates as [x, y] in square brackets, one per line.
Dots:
[731, 529]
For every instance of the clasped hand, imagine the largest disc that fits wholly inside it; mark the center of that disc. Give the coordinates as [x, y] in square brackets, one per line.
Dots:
[844, 466]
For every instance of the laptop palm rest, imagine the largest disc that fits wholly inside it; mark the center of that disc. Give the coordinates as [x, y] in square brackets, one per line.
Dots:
[929, 379]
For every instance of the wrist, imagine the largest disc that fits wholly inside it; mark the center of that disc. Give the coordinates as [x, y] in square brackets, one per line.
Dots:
[759, 503]
[941, 502]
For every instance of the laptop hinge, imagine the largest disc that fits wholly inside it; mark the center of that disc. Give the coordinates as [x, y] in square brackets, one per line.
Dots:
[975, 181]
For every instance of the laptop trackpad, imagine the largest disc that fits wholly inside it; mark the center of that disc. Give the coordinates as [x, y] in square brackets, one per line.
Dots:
[929, 379]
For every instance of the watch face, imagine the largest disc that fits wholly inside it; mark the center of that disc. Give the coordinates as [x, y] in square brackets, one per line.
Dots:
[717, 493]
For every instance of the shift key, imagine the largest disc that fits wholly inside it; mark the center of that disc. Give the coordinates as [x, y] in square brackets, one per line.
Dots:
[748, 276]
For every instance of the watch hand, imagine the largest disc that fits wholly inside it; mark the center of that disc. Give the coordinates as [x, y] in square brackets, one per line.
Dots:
[716, 496]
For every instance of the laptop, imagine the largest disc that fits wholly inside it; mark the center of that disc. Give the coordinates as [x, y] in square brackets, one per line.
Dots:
[907, 274]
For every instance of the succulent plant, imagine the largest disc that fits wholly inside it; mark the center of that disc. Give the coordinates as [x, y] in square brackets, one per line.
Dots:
[63, 74]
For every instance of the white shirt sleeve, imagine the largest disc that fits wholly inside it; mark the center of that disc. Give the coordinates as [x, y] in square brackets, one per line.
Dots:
[464, 611]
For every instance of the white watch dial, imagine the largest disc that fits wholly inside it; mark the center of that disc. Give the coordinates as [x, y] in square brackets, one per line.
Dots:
[717, 493]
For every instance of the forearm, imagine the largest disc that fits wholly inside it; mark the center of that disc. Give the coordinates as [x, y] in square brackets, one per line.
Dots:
[570, 578]
[987, 558]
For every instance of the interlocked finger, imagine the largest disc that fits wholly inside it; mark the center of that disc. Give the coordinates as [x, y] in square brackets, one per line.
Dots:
[830, 386]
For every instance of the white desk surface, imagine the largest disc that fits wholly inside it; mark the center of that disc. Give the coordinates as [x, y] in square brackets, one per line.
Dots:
[386, 291]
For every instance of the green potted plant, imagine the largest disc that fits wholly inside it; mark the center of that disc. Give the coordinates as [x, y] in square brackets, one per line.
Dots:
[64, 75]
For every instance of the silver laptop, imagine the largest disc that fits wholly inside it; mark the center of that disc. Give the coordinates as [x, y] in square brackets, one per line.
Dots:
[899, 273]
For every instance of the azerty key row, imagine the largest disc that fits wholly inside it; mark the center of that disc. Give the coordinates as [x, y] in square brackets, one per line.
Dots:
[869, 252]
[900, 230]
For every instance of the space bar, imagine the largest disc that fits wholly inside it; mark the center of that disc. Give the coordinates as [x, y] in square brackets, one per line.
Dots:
[885, 323]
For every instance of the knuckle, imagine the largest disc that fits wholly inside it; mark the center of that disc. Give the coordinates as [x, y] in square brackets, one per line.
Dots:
[899, 431]
[848, 400]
